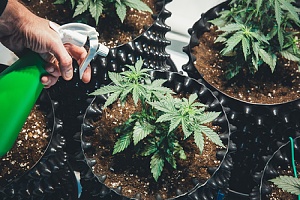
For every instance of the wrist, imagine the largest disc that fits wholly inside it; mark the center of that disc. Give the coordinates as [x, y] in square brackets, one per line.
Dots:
[13, 17]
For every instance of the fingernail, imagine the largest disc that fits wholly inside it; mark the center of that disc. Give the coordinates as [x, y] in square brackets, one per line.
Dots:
[47, 83]
[69, 73]
[50, 69]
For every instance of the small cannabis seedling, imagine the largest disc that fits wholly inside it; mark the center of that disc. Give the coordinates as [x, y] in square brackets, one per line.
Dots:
[154, 131]
[256, 33]
[288, 183]
[98, 7]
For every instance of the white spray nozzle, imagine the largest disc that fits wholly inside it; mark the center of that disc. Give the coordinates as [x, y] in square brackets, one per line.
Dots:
[81, 34]
[102, 50]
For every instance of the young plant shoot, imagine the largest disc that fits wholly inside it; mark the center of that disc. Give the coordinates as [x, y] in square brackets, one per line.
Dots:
[155, 130]
[96, 8]
[255, 33]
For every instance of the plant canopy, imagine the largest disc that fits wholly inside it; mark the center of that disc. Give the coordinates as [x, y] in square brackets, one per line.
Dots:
[257, 32]
[98, 7]
[154, 131]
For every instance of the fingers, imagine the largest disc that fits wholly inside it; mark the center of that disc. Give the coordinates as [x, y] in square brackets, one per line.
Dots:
[79, 54]
[64, 61]
[52, 69]
[49, 58]
[86, 77]
[60, 52]
[48, 81]
[54, 73]
[62, 55]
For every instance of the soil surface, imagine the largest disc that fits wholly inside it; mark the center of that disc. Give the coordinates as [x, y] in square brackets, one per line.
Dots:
[283, 85]
[111, 31]
[132, 173]
[28, 148]
[278, 193]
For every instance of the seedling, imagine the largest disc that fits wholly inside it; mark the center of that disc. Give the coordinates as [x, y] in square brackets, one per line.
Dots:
[255, 33]
[155, 130]
[96, 8]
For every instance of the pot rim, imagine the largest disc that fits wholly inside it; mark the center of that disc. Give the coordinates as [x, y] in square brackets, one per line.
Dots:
[205, 17]
[283, 147]
[51, 126]
[164, 2]
[230, 146]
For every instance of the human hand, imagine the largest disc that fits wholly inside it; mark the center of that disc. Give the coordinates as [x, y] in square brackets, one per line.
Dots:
[21, 29]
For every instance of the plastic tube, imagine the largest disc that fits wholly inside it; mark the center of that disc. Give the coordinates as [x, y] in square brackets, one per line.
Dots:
[20, 86]
[293, 160]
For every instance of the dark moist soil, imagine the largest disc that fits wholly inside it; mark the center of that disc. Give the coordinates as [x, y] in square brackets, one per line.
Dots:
[111, 31]
[265, 87]
[28, 148]
[133, 173]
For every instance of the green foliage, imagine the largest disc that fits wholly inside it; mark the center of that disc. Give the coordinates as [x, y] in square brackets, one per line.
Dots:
[288, 183]
[255, 33]
[190, 115]
[98, 7]
[154, 131]
[131, 82]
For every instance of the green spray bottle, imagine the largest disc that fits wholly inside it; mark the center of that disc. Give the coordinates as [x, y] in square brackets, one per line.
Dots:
[20, 87]
[20, 84]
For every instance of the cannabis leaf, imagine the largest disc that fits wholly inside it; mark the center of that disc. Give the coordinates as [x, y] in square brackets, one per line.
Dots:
[59, 2]
[156, 165]
[288, 183]
[132, 82]
[178, 149]
[125, 83]
[213, 136]
[290, 55]
[190, 115]
[156, 90]
[257, 32]
[151, 131]
[122, 143]
[135, 4]
[292, 11]
[81, 7]
[97, 7]
[149, 149]
[140, 131]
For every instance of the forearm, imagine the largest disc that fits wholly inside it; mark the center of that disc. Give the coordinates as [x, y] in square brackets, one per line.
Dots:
[13, 17]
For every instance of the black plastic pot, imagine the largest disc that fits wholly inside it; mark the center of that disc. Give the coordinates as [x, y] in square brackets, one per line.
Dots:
[259, 126]
[51, 177]
[93, 186]
[280, 160]
[72, 95]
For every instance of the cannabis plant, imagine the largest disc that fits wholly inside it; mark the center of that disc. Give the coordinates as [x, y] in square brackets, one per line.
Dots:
[288, 183]
[154, 131]
[98, 7]
[255, 33]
